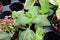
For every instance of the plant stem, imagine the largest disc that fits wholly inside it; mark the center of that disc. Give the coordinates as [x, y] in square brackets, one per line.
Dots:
[29, 25]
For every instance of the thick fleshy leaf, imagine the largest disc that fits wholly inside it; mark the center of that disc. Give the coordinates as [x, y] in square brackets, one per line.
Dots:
[45, 6]
[16, 23]
[28, 4]
[41, 20]
[33, 11]
[26, 35]
[17, 14]
[50, 12]
[53, 2]
[23, 19]
[13, 14]
[37, 26]
[4, 35]
[58, 13]
[39, 33]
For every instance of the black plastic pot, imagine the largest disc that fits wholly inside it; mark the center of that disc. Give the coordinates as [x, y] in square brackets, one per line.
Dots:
[5, 2]
[7, 13]
[51, 36]
[22, 1]
[16, 6]
[55, 23]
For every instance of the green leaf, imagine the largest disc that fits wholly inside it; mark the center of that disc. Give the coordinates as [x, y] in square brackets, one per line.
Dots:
[17, 14]
[28, 4]
[37, 26]
[41, 20]
[53, 2]
[26, 35]
[7, 39]
[4, 35]
[23, 19]
[45, 6]
[33, 11]
[11, 34]
[39, 33]
[16, 23]
[50, 12]
[13, 14]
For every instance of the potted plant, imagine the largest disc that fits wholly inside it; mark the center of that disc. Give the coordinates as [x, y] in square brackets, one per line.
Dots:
[36, 14]
[6, 28]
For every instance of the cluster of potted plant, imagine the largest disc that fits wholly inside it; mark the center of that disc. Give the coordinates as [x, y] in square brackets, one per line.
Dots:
[38, 12]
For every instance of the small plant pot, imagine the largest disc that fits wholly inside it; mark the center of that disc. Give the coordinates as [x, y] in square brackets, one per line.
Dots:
[51, 36]
[7, 13]
[55, 24]
[16, 6]
[5, 2]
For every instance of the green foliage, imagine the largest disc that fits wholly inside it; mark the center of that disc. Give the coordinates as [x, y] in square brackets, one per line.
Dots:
[45, 6]
[26, 35]
[17, 14]
[28, 4]
[41, 20]
[35, 14]
[39, 33]
[33, 11]
[22, 20]
[50, 12]
[4, 36]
